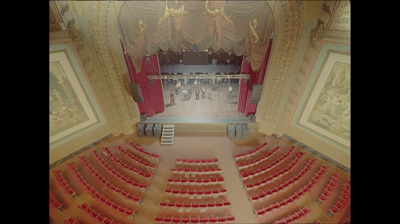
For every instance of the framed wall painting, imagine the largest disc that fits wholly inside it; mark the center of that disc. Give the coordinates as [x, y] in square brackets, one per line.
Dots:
[72, 108]
[324, 110]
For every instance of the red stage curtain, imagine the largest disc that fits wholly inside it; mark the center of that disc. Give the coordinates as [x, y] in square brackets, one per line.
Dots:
[245, 88]
[255, 78]
[152, 94]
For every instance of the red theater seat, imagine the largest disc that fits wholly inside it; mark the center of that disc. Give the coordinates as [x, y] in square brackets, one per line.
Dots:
[221, 219]
[203, 220]
[212, 220]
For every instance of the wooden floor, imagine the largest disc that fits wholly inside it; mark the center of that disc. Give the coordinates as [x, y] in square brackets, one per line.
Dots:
[216, 102]
[193, 146]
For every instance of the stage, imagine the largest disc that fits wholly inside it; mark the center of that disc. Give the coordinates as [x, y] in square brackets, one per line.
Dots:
[211, 111]
[197, 120]
[202, 124]
[213, 101]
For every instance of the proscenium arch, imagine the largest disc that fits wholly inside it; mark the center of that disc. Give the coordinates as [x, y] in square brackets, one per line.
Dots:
[103, 29]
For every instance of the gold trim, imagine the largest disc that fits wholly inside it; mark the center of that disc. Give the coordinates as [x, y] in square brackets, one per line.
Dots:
[171, 12]
[215, 12]
[253, 26]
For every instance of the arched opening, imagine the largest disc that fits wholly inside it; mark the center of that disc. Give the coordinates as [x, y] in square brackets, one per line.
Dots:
[238, 29]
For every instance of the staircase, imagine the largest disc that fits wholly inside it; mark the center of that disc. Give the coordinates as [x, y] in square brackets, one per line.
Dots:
[167, 134]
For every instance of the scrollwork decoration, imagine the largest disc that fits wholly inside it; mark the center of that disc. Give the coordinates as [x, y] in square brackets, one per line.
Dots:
[215, 12]
[253, 26]
[142, 28]
[171, 12]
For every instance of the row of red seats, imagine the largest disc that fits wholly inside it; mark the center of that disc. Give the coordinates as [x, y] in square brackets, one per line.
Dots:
[343, 200]
[95, 193]
[182, 205]
[203, 162]
[265, 180]
[287, 183]
[247, 164]
[71, 220]
[199, 193]
[169, 219]
[251, 173]
[251, 152]
[107, 183]
[347, 220]
[136, 159]
[297, 215]
[96, 214]
[63, 182]
[114, 172]
[126, 166]
[150, 157]
[297, 194]
[194, 205]
[196, 171]
[333, 183]
[196, 181]
[54, 202]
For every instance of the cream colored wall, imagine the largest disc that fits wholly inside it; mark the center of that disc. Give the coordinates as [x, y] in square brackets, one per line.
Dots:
[318, 144]
[69, 144]
[77, 39]
[300, 75]
[78, 142]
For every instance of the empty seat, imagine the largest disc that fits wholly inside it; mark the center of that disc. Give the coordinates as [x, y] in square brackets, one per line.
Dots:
[212, 220]
[158, 219]
[221, 219]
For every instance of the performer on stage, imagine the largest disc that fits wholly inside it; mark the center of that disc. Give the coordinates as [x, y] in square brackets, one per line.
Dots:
[172, 98]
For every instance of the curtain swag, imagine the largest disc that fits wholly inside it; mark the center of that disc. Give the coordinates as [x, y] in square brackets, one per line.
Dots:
[242, 27]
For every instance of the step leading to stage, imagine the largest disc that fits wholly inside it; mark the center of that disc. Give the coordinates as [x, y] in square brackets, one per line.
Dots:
[167, 134]
[184, 124]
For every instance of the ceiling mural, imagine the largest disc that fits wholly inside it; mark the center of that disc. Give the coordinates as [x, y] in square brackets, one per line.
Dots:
[318, 103]
[72, 108]
[325, 107]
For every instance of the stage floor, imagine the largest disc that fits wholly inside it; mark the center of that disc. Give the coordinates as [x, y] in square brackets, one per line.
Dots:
[198, 120]
[214, 102]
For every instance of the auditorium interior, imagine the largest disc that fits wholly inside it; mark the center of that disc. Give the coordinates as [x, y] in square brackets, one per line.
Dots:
[199, 112]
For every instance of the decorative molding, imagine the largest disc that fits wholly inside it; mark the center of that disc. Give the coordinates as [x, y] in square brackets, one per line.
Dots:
[59, 36]
[65, 65]
[289, 26]
[73, 35]
[172, 12]
[340, 17]
[69, 21]
[333, 23]
[215, 12]
[327, 13]
[328, 58]
[103, 30]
